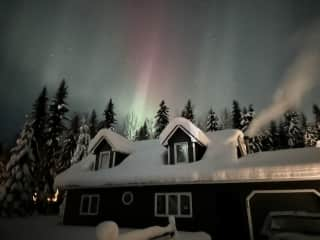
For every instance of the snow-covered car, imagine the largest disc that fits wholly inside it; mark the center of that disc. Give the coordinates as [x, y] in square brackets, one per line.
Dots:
[292, 225]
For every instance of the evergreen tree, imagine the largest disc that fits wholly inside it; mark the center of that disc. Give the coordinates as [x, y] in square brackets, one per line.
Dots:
[292, 129]
[75, 125]
[316, 112]
[39, 125]
[283, 137]
[109, 116]
[82, 144]
[143, 132]
[226, 119]
[254, 144]
[274, 135]
[70, 137]
[93, 123]
[3, 174]
[187, 112]
[40, 116]
[162, 118]
[303, 127]
[310, 136]
[212, 121]
[17, 196]
[56, 128]
[236, 115]
[246, 118]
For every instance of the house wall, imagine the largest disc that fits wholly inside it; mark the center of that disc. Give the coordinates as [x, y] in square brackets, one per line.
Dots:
[181, 136]
[219, 209]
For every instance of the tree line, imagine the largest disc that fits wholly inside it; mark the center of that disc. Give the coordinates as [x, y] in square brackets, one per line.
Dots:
[50, 141]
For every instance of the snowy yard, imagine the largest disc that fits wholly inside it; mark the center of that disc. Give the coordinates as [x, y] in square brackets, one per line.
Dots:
[48, 228]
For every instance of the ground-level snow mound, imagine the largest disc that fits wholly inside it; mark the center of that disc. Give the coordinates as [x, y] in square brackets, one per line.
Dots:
[107, 231]
[110, 231]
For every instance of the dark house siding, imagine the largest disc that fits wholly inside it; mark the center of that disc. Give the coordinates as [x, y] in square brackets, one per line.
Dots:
[180, 136]
[217, 208]
[119, 158]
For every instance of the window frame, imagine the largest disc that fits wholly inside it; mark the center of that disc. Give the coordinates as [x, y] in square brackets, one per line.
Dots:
[109, 162]
[88, 211]
[175, 145]
[179, 210]
[124, 202]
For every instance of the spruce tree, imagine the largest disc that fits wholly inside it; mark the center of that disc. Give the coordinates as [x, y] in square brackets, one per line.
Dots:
[283, 137]
[187, 112]
[316, 112]
[212, 121]
[162, 118]
[303, 129]
[93, 123]
[109, 116]
[40, 116]
[17, 197]
[70, 137]
[274, 135]
[39, 125]
[56, 128]
[310, 136]
[236, 115]
[143, 132]
[246, 118]
[226, 119]
[292, 129]
[75, 125]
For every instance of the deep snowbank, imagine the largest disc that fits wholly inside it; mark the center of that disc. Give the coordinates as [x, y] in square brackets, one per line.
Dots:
[48, 228]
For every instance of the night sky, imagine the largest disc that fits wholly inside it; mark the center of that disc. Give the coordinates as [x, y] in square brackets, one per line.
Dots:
[139, 52]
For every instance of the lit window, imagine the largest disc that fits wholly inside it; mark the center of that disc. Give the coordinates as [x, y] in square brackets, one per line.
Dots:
[104, 160]
[181, 154]
[89, 204]
[173, 204]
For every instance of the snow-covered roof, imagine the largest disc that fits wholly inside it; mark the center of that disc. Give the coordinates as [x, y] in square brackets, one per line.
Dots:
[145, 166]
[187, 126]
[117, 142]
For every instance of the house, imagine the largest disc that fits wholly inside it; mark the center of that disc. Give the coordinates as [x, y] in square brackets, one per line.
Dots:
[205, 180]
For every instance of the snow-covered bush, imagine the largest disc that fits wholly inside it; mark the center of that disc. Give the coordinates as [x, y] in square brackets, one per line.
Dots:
[17, 196]
[82, 144]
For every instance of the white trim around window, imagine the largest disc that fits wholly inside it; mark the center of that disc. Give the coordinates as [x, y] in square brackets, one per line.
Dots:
[175, 146]
[127, 198]
[194, 151]
[166, 205]
[105, 162]
[90, 209]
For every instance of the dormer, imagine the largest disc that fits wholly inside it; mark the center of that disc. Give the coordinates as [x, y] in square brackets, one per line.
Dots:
[185, 142]
[109, 148]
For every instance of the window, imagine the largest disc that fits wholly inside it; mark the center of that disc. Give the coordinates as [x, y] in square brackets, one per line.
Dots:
[127, 198]
[89, 204]
[181, 154]
[174, 204]
[104, 160]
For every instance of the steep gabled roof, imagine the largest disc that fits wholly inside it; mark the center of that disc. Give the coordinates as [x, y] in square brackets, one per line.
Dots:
[116, 141]
[185, 125]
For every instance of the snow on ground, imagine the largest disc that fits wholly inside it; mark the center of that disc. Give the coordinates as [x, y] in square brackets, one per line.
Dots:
[49, 228]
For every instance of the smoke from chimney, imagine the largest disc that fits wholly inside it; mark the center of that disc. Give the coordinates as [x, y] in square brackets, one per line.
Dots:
[299, 79]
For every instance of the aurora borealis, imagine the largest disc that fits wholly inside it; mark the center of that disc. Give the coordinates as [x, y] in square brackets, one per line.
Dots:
[139, 52]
